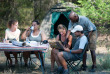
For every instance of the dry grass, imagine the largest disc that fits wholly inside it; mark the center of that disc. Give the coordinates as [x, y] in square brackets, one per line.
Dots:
[103, 64]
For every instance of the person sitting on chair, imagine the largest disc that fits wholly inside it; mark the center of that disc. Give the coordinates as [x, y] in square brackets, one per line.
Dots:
[12, 32]
[33, 35]
[60, 37]
[75, 53]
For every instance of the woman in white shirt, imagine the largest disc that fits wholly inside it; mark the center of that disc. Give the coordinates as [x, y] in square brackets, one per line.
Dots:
[12, 32]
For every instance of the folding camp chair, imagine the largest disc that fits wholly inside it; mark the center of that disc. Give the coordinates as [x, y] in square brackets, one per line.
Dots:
[34, 57]
[31, 60]
[74, 64]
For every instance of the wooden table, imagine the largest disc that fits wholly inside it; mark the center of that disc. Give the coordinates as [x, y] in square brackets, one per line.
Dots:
[11, 47]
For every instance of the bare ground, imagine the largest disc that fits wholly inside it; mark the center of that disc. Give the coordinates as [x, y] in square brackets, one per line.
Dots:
[36, 69]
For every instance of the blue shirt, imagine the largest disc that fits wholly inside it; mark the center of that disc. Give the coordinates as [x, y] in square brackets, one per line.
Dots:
[85, 23]
[80, 44]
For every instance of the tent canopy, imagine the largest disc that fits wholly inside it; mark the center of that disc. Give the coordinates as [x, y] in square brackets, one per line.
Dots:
[58, 14]
[59, 18]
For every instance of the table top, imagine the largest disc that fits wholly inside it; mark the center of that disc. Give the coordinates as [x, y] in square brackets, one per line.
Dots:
[11, 47]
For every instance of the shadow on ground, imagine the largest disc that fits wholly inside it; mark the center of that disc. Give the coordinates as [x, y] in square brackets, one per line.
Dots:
[36, 69]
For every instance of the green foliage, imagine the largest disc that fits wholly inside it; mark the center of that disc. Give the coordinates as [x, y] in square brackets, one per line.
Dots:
[105, 63]
[98, 11]
[25, 11]
[22, 10]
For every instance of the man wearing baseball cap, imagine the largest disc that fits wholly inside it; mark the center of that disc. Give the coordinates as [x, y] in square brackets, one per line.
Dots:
[90, 31]
[75, 53]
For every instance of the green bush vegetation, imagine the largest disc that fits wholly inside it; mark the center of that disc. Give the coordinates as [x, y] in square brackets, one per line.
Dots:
[16, 9]
[103, 61]
[96, 10]
[25, 11]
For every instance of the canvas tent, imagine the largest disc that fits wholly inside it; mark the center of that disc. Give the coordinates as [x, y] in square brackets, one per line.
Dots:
[56, 15]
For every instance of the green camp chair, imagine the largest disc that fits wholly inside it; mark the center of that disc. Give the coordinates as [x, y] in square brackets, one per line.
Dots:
[73, 65]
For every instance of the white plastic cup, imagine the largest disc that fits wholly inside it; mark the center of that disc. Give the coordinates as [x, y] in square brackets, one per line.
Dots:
[32, 28]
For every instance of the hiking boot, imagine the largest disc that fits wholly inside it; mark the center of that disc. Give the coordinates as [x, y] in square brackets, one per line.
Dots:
[93, 68]
[66, 71]
[83, 67]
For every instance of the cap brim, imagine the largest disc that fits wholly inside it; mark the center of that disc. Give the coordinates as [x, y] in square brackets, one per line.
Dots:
[73, 30]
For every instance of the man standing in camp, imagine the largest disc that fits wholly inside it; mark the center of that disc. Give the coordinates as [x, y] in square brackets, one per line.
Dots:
[90, 31]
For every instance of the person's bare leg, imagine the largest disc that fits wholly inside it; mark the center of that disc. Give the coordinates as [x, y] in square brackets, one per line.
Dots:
[62, 60]
[83, 66]
[93, 55]
[56, 57]
[52, 60]
[15, 56]
[84, 58]
[7, 54]
[26, 56]
[37, 55]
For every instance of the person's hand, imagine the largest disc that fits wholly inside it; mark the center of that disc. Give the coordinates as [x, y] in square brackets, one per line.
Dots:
[88, 38]
[7, 41]
[66, 42]
[66, 49]
[28, 29]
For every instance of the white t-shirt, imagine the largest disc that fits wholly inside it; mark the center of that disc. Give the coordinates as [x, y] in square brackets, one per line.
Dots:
[12, 35]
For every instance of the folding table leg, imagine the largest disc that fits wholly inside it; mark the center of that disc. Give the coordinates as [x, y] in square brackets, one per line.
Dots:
[7, 62]
[41, 63]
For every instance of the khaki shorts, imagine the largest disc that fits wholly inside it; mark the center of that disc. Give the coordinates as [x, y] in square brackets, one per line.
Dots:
[92, 41]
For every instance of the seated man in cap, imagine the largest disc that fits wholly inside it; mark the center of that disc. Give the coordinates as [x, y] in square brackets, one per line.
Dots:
[75, 52]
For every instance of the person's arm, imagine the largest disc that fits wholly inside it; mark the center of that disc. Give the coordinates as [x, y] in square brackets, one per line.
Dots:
[69, 41]
[5, 35]
[18, 34]
[69, 29]
[89, 25]
[57, 38]
[68, 33]
[73, 51]
[89, 33]
[25, 34]
[66, 40]
[43, 36]
[7, 41]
